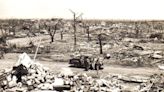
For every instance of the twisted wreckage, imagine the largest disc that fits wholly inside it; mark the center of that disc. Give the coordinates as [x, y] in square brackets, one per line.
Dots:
[28, 75]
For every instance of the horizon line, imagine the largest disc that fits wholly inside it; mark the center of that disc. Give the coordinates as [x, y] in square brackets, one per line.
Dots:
[86, 19]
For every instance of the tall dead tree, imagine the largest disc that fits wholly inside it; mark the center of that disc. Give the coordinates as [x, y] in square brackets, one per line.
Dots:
[137, 30]
[86, 29]
[74, 26]
[100, 43]
[3, 34]
[88, 33]
[102, 38]
[51, 33]
[75, 22]
[52, 29]
[61, 29]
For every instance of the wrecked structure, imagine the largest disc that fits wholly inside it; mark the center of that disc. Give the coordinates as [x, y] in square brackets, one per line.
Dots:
[28, 75]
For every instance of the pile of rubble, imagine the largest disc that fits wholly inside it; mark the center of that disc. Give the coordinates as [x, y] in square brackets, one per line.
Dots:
[138, 56]
[27, 75]
[154, 84]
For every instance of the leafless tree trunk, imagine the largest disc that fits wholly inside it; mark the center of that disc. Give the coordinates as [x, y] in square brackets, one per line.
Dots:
[100, 43]
[52, 39]
[74, 27]
[52, 33]
[4, 35]
[136, 30]
[75, 18]
[61, 34]
[61, 23]
[52, 29]
[137, 33]
[88, 33]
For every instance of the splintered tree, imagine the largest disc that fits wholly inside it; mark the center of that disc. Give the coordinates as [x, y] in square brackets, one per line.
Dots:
[100, 43]
[51, 33]
[87, 29]
[137, 30]
[61, 34]
[2, 34]
[75, 22]
[53, 28]
[61, 22]
[74, 27]
[101, 38]
[88, 33]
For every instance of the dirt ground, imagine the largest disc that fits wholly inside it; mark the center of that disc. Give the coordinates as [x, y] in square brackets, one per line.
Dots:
[11, 59]
[62, 49]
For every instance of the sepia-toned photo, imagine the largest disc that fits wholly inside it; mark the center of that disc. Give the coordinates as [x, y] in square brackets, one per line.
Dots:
[81, 46]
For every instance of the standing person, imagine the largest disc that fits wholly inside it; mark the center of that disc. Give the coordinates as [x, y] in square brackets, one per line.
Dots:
[99, 62]
[92, 60]
[87, 63]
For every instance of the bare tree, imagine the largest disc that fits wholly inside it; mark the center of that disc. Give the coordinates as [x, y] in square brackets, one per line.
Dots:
[61, 22]
[3, 35]
[75, 21]
[100, 43]
[53, 28]
[101, 37]
[88, 33]
[137, 31]
[51, 33]
[74, 26]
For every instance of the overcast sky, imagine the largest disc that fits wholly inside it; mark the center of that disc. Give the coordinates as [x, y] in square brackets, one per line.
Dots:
[92, 9]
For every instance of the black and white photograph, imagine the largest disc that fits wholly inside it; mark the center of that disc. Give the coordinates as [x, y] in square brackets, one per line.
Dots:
[81, 46]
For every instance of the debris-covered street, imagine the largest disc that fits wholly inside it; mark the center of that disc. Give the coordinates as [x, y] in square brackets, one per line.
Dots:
[59, 76]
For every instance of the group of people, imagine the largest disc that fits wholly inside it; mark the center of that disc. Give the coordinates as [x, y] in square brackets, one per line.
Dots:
[89, 61]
